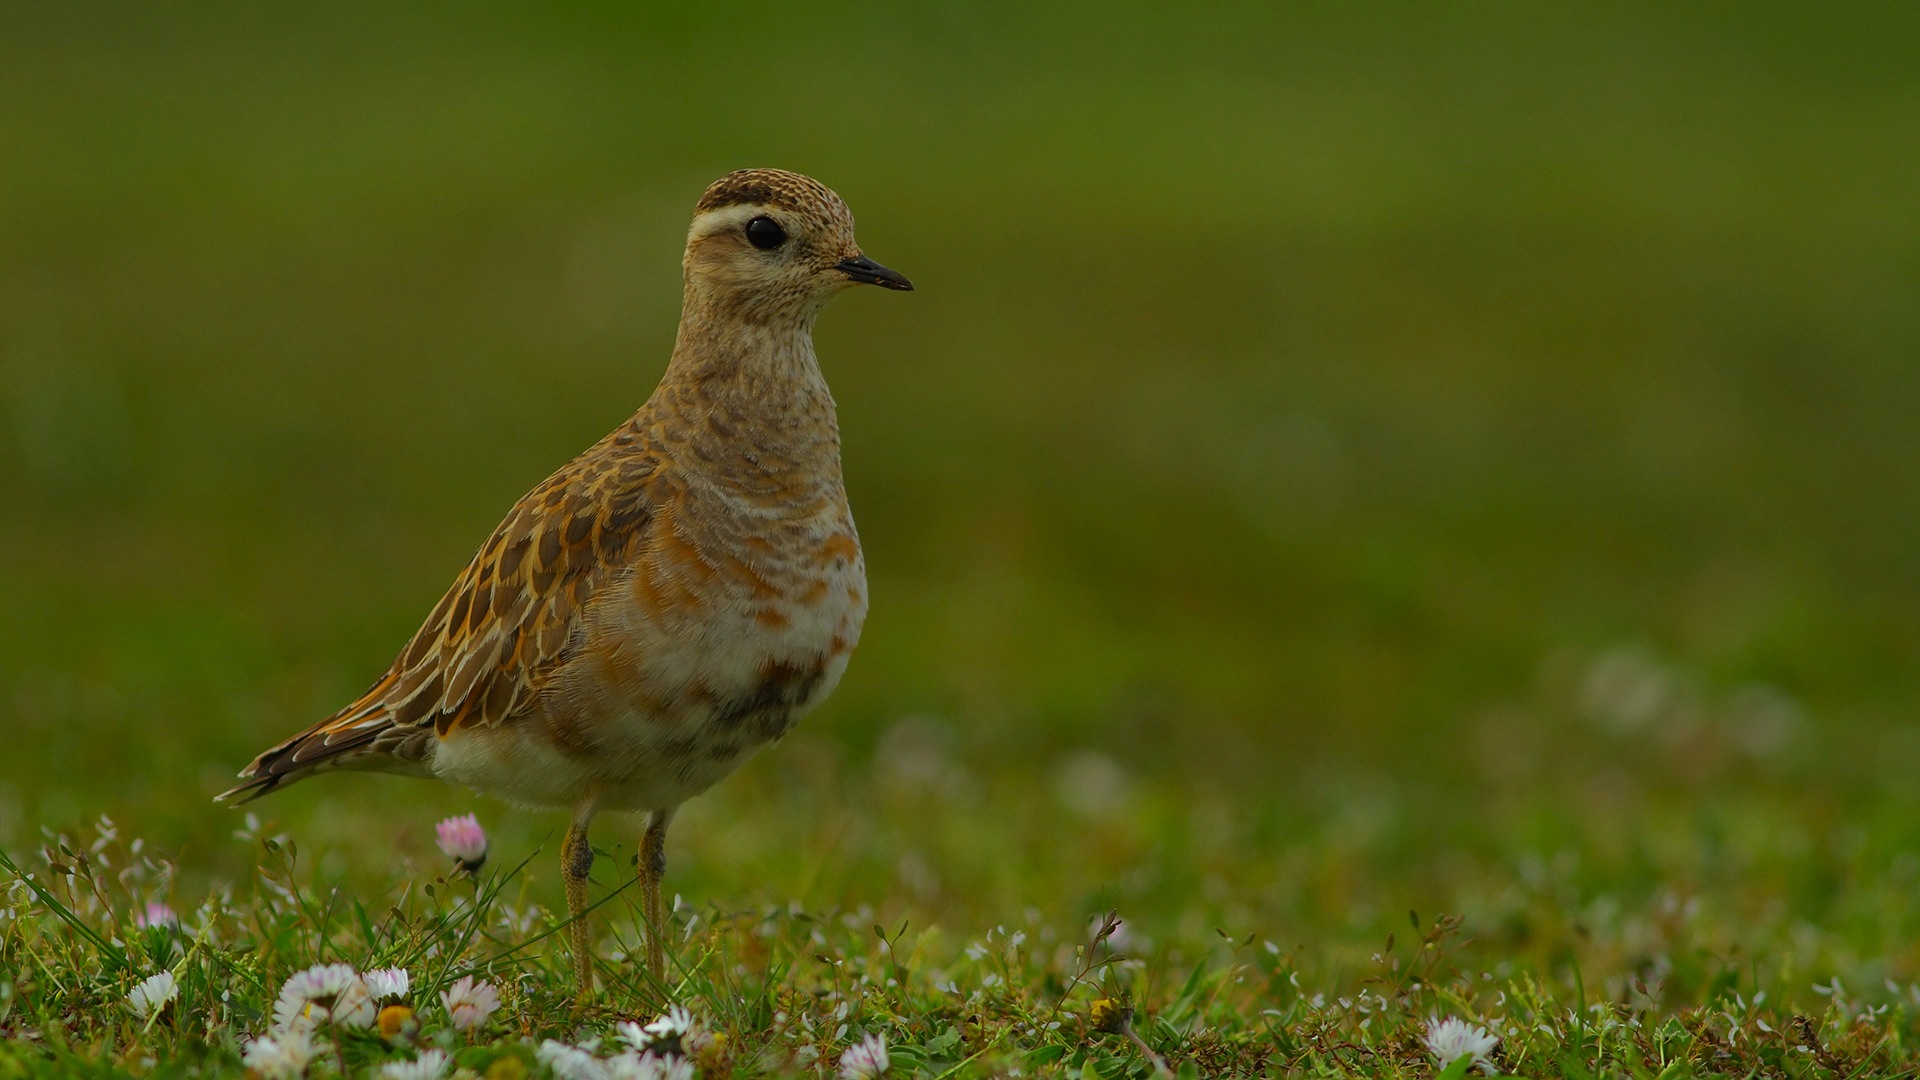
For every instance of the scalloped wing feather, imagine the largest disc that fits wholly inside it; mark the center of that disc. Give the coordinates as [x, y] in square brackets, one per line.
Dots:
[511, 619]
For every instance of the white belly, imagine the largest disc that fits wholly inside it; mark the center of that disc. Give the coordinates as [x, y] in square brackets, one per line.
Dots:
[664, 700]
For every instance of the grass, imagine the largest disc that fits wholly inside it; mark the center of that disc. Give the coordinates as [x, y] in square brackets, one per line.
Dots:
[1336, 464]
[788, 990]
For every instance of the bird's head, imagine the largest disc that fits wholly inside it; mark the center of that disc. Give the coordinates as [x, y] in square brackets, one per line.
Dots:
[767, 244]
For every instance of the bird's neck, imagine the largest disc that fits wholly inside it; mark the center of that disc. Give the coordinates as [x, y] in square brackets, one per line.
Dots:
[745, 403]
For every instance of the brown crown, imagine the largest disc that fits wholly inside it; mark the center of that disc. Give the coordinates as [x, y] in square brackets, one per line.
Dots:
[770, 187]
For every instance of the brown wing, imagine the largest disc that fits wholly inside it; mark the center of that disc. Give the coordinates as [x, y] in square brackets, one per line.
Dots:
[511, 618]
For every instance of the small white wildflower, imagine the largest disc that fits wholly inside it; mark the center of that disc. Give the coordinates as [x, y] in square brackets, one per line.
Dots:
[430, 1065]
[152, 994]
[324, 993]
[281, 1056]
[470, 1003]
[648, 1066]
[464, 841]
[674, 1032]
[570, 1062]
[672, 1024]
[630, 1066]
[1452, 1038]
[866, 1059]
[387, 984]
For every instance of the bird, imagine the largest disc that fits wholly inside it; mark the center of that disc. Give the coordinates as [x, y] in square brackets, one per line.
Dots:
[671, 600]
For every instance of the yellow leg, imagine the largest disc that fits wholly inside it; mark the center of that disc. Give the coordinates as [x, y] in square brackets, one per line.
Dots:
[653, 868]
[576, 862]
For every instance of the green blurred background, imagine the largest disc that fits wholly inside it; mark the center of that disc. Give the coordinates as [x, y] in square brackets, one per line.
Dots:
[1330, 447]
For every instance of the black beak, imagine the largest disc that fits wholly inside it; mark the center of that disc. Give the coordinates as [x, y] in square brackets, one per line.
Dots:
[867, 272]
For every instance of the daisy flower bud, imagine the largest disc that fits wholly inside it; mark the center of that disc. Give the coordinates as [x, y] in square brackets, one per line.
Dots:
[387, 984]
[464, 841]
[157, 914]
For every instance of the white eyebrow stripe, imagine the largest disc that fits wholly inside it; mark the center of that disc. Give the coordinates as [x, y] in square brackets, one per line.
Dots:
[726, 218]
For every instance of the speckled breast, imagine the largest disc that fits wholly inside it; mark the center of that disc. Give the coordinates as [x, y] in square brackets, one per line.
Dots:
[732, 623]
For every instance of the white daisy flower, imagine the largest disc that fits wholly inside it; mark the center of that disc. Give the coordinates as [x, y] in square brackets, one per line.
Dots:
[866, 1059]
[470, 1003]
[571, 1062]
[637, 1066]
[387, 984]
[281, 1056]
[325, 993]
[152, 994]
[430, 1065]
[672, 1024]
[675, 1032]
[1451, 1039]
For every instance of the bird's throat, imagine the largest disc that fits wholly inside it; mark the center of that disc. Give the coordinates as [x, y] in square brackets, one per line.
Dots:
[748, 399]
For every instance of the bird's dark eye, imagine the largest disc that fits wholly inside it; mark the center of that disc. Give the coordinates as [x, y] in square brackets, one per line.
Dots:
[765, 233]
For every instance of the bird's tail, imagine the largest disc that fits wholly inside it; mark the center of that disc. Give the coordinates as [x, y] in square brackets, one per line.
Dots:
[326, 746]
[364, 735]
